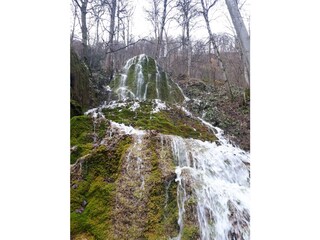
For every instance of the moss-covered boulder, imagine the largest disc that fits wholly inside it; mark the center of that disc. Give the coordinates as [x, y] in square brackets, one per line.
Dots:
[143, 79]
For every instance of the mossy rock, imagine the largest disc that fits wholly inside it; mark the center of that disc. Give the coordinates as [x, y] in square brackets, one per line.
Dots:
[172, 121]
[79, 80]
[75, 108]
[154, 85]
[190, 233]
[92, 196]
[80, 136]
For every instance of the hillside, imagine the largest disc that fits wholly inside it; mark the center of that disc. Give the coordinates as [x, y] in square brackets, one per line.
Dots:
[144, 167]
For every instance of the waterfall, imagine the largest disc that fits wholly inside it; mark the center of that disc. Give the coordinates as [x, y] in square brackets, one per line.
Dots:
[140, 80]
[213, 178]
[123, 90]
[145, 92]
[218, 178]
[157, 80]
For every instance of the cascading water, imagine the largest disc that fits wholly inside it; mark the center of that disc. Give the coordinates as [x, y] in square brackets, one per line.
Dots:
[219, 180]
[212, 179]
[123, 90]
[157, 81]
[214, 176]
[141, 79]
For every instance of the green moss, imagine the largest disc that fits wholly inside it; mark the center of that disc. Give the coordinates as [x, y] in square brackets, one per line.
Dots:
[190, 233]
[80, 151]
[97, 189]
[173, 122]
[80, 75]
[131, 79]
[83, 236]
[97, 213]
[168, 91]
[75, 108]
[162, 211]
[81, 137]
[115, 83]
[164, 88]
[80, 127]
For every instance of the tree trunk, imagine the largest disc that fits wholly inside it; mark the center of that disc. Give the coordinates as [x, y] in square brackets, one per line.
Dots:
[84, 30]
[110, 65]
[160, 37]
[242, 34]
[74, 24]
[189, 50]
[215, 47]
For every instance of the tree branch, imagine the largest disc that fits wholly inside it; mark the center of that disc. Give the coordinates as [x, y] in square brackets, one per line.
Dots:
[214, 3]
[76, 1]
[130, 44]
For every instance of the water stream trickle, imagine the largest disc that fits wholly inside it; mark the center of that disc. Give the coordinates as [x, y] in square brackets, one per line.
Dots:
[157, 80]
[219, 179]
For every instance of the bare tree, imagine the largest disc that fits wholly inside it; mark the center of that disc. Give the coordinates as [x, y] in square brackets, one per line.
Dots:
[162, 24]
[242, 34]
[206, 6]
[153, 16]
[158, 15]
[83, 4]
[188, 12]
[75, 16]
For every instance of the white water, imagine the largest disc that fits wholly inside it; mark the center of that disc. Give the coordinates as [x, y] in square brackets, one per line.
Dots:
[157, 80]
[140, 93]
[134, 158]
[219, 180]
[215, 174]
[139, 78]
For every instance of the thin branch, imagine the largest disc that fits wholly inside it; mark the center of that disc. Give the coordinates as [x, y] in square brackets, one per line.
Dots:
[77, 3]
[242, 4]
[130, 44]
[214, 3]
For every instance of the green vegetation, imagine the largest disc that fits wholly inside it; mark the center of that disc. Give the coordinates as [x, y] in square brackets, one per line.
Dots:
[162, 210]
[191, 229]
[92, 196]
[190, 233]
[168, 90]
[75, 108]
[81, 138]
[80, 76]
[172, 122]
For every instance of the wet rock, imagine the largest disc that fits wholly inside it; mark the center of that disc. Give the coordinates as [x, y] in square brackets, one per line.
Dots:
[84, 203]
[73, 149]
[79, 210]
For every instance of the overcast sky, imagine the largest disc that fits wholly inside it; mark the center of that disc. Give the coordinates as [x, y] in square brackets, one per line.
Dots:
[220, 20]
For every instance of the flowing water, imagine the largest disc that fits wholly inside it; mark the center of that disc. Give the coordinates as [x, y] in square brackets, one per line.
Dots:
[218, 177]
[137, 86]
[215, 176]
[139, 77]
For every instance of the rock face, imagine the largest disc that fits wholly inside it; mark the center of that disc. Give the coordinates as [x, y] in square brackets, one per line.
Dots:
[142, 168]
[214, 105]
[143, 79]
[79, 85]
